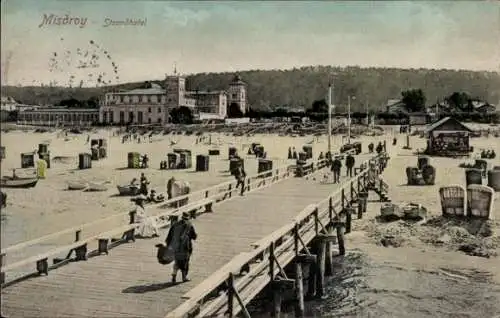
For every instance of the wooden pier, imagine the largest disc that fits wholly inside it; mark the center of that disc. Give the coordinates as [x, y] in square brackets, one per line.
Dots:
[231, 260]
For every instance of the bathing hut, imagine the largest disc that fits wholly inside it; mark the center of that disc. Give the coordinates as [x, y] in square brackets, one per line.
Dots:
[84, 161]
[28, 160]
[448, 137]
[43, 148]
[202, 162]
[101, 148]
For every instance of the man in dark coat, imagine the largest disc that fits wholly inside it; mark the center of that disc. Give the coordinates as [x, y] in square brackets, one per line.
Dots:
[180, 237]
[349, 163]
[336, 166]
[240, 176]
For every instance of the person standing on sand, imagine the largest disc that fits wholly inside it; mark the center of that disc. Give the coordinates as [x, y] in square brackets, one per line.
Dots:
[179, 238]
[170, 184]
[336, 166]
[349, 163]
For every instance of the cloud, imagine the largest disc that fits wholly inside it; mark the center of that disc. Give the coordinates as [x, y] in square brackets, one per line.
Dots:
[183, 16]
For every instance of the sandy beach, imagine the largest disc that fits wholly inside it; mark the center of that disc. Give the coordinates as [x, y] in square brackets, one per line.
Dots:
[50, 207]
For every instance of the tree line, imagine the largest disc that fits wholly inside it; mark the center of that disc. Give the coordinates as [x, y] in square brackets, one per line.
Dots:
[300, 87]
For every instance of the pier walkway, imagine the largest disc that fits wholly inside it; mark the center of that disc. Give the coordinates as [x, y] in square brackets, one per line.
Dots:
[129, 282]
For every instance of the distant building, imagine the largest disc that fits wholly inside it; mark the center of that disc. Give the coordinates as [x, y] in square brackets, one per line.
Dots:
[395, 106]
[483, 107]
[152, 105]
[59, 116]
[138, 106]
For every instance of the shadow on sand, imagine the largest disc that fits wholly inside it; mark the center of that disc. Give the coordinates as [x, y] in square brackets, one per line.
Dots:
[141, 289]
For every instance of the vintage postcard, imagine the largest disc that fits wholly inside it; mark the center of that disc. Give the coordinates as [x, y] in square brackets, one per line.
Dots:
[250, 158]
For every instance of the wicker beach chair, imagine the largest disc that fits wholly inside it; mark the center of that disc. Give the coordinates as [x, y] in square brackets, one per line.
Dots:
[452, 200]
[480, 201]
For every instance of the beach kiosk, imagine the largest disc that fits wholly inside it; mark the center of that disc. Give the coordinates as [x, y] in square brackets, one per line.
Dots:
[449, 138]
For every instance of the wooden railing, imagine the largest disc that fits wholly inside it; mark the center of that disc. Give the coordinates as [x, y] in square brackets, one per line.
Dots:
[126, 232]
[231, 288]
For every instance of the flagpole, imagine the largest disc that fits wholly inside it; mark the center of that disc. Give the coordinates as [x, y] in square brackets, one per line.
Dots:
[330, 116]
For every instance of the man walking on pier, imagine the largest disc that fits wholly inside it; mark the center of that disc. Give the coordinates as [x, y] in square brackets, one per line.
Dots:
[336, 166]
[180, 238]
[240, 176]
[349, 163]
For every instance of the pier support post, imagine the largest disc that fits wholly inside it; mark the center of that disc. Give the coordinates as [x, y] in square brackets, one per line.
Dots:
[279, 287]
[340, 226]
[311, 278]
[349, 211]
[363, 200]
[299, 290]
[329, 253]
[321, 242]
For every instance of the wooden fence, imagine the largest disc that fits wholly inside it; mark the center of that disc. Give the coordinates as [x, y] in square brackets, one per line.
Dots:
[126, 232]
[230, 289]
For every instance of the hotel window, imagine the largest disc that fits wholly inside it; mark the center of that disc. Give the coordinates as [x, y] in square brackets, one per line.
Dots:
[144, 99]
[235, 96]
[149, 120]
[135, 98]
[149, 109]
[119, 99]
[159, 109]
[126, 99]
[154, 99]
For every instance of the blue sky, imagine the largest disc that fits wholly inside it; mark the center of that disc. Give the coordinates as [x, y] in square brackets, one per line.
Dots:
[231, 36]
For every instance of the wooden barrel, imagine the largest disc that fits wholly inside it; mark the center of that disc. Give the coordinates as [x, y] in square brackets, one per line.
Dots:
[422, 161]
[213, 152]
[494, 179]
[202, 162]
[102, 152]
[473, 176]
[46, 157]
[43, 148]
[232, 152]
[95, 153]
[265, 165]
[308, 150]
[134, 160]
[28, 160]
[429, 174]
[84, 161]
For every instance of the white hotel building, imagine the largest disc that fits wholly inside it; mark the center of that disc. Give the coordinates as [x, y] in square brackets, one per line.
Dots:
[152, 105]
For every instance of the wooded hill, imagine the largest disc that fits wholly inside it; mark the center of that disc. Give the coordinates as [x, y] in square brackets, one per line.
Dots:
[300, 87]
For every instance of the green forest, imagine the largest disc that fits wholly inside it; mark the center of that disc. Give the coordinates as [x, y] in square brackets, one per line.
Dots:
[300, 87]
